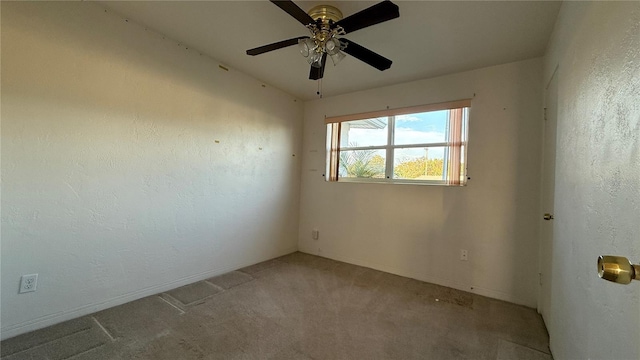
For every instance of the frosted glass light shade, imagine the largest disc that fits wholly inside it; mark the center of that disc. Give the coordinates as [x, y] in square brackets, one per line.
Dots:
[337, 57]
[307, 47]
[332, 46]
[315, 59]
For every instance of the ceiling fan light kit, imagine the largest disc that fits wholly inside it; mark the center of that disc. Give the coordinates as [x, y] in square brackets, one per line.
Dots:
[327, 25]
[323, 37]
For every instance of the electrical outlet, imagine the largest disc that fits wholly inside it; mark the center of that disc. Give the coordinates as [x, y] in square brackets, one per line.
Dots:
[464, 255]
[315, 234]
[28, 283]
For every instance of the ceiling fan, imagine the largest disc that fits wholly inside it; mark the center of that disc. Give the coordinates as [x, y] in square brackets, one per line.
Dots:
[326, 24]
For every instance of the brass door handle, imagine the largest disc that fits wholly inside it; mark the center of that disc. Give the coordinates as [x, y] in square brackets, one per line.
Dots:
[617, 269]
[548, 216]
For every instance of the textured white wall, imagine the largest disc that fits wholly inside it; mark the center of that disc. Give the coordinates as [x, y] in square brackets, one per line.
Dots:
[130, 164]
[596, 46]
[418, 231]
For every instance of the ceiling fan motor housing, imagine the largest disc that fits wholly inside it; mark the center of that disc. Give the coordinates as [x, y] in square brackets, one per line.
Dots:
[325, 13]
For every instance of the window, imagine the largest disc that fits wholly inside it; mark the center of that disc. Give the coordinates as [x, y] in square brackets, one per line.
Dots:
[422, 145]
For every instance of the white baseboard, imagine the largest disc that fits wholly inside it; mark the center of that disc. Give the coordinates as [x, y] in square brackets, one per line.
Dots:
[52, 319]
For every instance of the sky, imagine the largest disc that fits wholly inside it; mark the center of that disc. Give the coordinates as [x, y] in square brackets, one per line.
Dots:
[422, 128]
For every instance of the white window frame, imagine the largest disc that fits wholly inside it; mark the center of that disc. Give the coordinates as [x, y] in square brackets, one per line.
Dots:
[390, 147]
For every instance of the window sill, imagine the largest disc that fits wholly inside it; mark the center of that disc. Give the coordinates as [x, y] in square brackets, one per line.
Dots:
[396, 182]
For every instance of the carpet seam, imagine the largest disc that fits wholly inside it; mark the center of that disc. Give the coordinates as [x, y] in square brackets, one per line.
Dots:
[84, 352]
[103, 329]
[215, 286]
[182, 312]
[50, 341]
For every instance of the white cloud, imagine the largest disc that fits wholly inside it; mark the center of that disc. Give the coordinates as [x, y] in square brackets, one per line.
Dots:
[408, 118]
[367, 137]
[410, 136]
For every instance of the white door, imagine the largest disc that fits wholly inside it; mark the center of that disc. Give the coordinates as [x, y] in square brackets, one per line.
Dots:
[547, 198]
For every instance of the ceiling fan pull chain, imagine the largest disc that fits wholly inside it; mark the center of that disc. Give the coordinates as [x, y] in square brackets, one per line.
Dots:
[319, 92]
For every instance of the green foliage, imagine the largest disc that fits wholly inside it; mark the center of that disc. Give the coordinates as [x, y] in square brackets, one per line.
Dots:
[361, 164]
[421, 167]
[378, 161]
[368, 164]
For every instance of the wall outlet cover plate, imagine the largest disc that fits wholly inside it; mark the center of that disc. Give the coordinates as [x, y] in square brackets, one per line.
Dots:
[28, 283]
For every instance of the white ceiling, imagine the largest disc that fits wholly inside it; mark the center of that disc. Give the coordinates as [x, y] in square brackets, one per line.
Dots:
[430, 38]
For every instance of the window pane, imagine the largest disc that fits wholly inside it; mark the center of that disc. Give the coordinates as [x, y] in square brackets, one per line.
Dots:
[368, 132]
[421, 128]
[465, 119]
[463, 165]
[419, 163]
[362, 163]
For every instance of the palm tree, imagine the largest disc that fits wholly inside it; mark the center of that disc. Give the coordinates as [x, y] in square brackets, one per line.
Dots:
[357, 163]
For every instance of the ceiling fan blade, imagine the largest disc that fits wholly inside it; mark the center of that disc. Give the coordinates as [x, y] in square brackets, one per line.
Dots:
[274, 46]
[318, 73]
[375, 14]
[292, 9]
[363, 54]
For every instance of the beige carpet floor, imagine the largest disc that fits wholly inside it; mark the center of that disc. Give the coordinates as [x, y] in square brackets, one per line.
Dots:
[297, 307]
